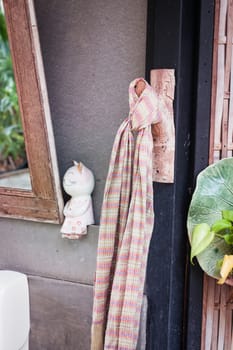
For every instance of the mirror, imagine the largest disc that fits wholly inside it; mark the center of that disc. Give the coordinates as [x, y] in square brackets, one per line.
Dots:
[14, 171]
[38, 195]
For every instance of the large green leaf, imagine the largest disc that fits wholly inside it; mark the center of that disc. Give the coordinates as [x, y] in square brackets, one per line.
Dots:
[213, 193]
[202, 236]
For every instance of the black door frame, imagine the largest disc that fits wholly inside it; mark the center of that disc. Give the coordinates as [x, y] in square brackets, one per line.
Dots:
[179, 36]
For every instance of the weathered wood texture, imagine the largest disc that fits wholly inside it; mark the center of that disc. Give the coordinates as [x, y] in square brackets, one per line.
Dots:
[221, 134]
[163, 81]
[35, 114]
[217, 316]
[217, 327]
[60, 314]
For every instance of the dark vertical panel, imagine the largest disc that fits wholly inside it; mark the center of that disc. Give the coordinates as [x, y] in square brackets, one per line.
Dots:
[203, 102]
[201, 155]
[172, 33]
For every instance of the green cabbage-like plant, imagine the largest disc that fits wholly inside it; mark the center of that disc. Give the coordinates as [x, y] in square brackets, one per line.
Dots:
[210, 217]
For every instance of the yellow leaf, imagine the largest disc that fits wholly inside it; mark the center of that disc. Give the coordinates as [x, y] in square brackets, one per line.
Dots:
[226, 268]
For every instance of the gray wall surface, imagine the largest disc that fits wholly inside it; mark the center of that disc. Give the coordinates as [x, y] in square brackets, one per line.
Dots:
[91, 51]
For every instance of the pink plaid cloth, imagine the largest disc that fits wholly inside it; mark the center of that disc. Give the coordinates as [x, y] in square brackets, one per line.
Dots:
[126, 226]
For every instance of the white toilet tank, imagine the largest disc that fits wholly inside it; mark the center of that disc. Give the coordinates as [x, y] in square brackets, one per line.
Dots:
[14, 311]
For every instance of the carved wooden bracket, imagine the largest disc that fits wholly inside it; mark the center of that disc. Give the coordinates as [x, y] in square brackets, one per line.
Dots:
[163, 81]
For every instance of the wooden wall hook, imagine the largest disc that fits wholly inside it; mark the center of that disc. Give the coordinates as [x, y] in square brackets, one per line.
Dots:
[163, 82]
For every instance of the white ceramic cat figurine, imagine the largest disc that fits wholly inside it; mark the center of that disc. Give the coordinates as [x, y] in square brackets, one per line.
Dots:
[79, 183]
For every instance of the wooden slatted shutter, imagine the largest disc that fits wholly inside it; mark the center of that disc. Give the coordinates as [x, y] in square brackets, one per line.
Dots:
[217, 332]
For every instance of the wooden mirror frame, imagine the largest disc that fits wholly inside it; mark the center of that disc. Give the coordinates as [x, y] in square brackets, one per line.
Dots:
[44, 201]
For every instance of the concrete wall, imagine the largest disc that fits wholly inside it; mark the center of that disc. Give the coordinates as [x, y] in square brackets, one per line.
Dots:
[91, 50]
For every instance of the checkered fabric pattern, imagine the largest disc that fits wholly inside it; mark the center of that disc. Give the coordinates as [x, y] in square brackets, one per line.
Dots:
[125, 230]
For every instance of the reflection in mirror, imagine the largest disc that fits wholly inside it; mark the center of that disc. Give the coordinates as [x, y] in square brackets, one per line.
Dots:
[13, 161]
[43, 201]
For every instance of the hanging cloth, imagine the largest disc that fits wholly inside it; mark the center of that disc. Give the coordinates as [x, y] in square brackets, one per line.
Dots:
[126, 226]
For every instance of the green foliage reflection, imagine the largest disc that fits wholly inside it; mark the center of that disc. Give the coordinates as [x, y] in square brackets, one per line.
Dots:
[12, 148]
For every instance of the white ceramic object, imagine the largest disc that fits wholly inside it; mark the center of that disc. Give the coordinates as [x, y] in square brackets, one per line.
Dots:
[79, 183]
[14, 311]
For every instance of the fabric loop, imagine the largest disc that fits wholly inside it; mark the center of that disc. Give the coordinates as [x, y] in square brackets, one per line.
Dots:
[144, 110]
